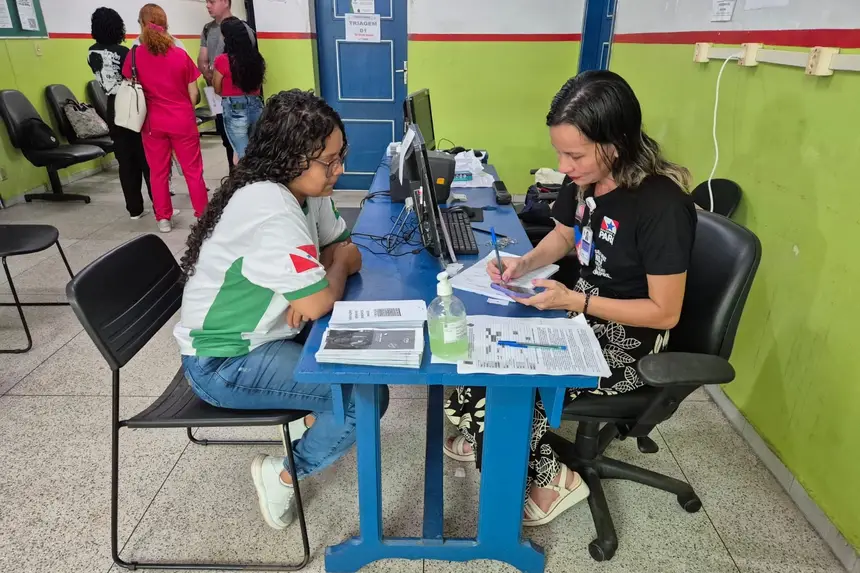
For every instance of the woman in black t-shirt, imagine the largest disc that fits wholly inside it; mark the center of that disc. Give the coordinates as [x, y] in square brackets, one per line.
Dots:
[628, 217]
[106, 58]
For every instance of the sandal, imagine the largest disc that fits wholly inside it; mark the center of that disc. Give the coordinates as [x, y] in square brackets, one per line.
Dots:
[567, 498]
[457, 450]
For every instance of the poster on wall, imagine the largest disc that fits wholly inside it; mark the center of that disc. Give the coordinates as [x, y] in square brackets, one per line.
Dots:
[759, 4]
[27, 15]
[364, 6]
[5, 15]
[363, 28]
[722, 10]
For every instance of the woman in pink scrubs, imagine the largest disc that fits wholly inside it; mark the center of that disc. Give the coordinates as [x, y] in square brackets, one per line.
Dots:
[169, 80]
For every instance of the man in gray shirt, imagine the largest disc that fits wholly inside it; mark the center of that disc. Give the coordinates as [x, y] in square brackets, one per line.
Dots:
[212, 46]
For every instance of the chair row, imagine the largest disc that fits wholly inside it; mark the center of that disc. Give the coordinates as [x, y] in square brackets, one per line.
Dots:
[16, 111]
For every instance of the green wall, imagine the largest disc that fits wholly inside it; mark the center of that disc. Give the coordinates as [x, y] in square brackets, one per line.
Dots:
[289, 64]
[793, 144]
[495, 96]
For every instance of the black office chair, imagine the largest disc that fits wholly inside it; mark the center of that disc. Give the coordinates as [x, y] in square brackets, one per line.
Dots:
[727, 196]
[99, 99]
[24, 240]
[122, 300]
[724, 262]
[57, 95]
[15, 109]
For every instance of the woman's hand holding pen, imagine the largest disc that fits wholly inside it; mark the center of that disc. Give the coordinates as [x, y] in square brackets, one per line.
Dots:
[514, 268]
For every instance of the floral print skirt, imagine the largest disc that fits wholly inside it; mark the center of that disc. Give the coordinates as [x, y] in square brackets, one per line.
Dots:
[622, 347]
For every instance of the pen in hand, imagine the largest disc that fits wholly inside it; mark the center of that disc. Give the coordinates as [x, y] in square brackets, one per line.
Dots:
[498, 256]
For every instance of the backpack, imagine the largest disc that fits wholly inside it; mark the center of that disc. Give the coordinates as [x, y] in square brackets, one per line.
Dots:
[36, 135]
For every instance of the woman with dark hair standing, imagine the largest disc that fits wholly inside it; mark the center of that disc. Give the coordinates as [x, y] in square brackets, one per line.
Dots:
[270, 253]
[626, 213]
[239, 74]
[169, 80]
[106, 58]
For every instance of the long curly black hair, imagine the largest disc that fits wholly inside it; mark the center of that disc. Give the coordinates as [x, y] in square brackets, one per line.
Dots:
[291, 132]
[247, 66]
[107, 27]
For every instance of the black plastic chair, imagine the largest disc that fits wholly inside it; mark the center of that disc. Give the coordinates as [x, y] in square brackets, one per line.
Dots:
[24, 240]
[724, 263]
[57, 95]
[98, 98]
[122, 300]
[727, 196]
[15, 109]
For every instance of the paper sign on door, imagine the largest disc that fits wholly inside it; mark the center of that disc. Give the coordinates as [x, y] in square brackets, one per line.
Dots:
[364, 6]
[363, 28]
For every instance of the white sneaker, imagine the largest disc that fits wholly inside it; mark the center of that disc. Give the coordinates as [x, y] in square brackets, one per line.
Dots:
[176, 212]
[138, 217]
[171, 187]
[275, 498]
[165, 226]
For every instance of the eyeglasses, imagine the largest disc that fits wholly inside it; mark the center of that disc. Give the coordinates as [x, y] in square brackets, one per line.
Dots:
[331, 166]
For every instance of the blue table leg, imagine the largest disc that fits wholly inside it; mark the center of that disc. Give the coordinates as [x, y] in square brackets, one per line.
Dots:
[355, 553]
[434, 510]
[507, 432]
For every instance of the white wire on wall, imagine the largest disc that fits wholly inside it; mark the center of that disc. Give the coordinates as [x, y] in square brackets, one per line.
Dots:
[716, 142]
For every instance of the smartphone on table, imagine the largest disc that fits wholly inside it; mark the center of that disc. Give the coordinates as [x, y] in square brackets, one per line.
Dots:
[514, 291]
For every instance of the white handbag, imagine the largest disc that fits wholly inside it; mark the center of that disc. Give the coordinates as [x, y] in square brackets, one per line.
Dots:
[130, 102]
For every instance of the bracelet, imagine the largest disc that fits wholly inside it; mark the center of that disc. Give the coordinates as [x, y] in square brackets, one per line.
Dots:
[585, 306]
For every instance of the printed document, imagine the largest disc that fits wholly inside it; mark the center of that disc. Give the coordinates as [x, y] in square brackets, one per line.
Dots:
[379, 314]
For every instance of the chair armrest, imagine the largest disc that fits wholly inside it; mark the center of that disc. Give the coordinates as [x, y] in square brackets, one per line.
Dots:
[682, 368]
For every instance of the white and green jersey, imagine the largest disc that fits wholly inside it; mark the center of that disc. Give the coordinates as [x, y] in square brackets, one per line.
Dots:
[263, 253]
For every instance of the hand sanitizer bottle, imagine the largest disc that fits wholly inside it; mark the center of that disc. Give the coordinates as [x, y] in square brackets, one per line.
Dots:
[446, 321]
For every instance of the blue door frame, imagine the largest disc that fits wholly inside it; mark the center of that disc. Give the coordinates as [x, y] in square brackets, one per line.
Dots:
[598, 25]
[365, 82]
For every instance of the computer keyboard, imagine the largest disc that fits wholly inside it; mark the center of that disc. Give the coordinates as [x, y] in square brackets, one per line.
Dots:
[460, 229]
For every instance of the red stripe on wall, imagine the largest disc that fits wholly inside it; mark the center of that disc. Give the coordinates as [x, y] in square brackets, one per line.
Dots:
[833, 38]
[87, 36]
[286, 35]
[495, 37]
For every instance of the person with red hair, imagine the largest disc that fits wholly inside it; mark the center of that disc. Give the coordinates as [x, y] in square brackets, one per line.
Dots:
[168, 77]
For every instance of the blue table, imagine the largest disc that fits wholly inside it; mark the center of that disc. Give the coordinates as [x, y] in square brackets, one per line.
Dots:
[509, 406]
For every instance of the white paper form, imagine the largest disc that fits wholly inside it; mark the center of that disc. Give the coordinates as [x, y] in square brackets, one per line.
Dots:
[5, 16]
[214, 100]
[475, 278]
[378, 314]
[27, 15]
[581, 357]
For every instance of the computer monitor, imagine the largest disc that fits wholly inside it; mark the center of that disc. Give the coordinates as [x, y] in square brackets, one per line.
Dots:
[418, 111]
[430, 221]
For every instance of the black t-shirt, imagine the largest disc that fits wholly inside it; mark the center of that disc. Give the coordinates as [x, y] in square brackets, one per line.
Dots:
[106, 63]
[648, 230]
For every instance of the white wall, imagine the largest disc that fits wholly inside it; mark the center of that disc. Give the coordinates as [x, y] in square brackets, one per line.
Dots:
[496, 16]
[184, 17]
[643, 16]
[292, 16]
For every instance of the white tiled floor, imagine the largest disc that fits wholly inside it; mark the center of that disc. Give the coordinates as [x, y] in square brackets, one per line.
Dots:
[178, 499]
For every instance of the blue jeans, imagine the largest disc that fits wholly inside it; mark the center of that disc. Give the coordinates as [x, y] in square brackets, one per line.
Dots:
[241, 114]
[263, 380]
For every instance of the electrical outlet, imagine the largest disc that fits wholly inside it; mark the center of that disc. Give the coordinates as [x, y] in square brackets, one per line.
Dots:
[38, 48]
[819, 61]
[750, 51]
[3, 175]
[701, 54]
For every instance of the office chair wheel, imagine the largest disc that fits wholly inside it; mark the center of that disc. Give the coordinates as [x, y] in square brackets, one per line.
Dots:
[28, 199]
[646, 445]
[690, 502]
[87, 201]
[601, 550]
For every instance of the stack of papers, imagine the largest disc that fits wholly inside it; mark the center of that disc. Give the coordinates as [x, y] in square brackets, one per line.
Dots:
[375, 333]
[379, 314]
[475, 278]
[402, 348]
[553, 346]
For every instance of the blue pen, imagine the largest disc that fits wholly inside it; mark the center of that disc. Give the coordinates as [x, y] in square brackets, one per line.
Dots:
[515, 344]
[496, 248]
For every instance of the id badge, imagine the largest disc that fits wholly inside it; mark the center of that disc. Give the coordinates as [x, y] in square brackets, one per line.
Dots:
[586, 246]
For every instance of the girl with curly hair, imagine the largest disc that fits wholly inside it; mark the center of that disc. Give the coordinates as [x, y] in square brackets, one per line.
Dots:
[106, 58]
[169, 80]
[271, 253]
[239, 74]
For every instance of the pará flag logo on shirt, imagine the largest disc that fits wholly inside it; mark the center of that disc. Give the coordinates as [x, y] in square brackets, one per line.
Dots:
[608, 229]
[306, 261]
